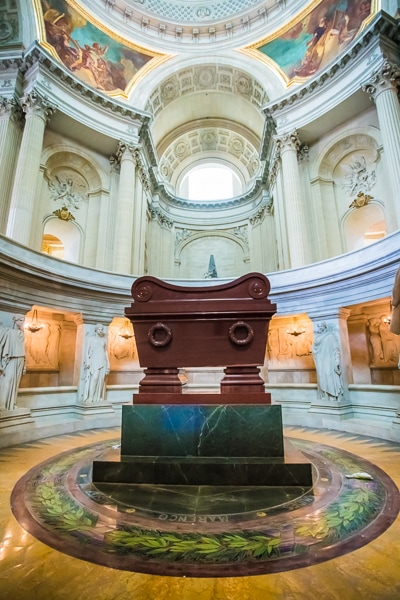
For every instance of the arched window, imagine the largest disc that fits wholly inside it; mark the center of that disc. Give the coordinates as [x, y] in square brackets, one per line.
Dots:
[61, 239]
[210, 181]
[363, 226]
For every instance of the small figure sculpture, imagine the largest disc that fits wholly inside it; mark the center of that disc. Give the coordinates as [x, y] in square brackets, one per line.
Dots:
[96, 366]
[327, 357]
[395, 320]
[12, 362]
[375, 341]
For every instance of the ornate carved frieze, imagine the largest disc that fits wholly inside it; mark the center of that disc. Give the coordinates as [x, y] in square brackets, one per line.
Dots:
[265, 209]
[207, 77]
[206, 139]
[157, 214]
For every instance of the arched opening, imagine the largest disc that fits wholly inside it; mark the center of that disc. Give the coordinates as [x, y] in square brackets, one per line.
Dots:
[53, 246]
[363, 226]
[61, 239]
[210, 181]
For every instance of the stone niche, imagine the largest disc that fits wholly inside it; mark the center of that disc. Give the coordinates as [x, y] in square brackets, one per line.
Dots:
[233, 437]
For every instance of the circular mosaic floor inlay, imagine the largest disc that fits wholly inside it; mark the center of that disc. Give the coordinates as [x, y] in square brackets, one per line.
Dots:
[205, 531]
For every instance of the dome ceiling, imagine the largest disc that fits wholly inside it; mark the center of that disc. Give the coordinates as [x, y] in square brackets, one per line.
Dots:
[194, 23]
[202, 69]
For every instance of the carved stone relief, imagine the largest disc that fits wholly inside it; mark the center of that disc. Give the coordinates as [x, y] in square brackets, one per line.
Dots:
[207, 77]
[42, 346]
[121, 348]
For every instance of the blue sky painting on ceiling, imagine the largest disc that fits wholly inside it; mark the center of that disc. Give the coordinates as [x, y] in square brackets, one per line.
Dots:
[87, 51]
[312, 43]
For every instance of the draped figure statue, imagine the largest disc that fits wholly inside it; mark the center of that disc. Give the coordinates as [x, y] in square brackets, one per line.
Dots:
[327, 357]
[12, 362]
[96, 366]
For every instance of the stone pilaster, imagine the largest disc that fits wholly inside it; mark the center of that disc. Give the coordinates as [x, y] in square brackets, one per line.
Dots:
[383, 88]
[22, 206]
[10, 134]
[289, 145]
[124, 222]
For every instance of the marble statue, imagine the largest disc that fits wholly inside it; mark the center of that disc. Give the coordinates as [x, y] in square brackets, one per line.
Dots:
[395, 319]
[12, 362]
[327, 357]
[96, 366]
[375, 340]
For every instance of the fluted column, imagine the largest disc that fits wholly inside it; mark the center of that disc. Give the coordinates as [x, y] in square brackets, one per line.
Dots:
[125, 208]
[10, 137]
[37, 110]
[289, 145]
[382, 88]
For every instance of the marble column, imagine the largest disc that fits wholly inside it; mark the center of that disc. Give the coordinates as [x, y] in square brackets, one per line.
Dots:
[22, 206]
[124, 221]
[10, 138]
[139, 220]
[383, 89]
[331, 353]
[104, 230]
[289, 145]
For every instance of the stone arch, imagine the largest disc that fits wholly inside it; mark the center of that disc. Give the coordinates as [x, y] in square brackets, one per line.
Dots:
[68, 232]
[362, 226]
[230, 251]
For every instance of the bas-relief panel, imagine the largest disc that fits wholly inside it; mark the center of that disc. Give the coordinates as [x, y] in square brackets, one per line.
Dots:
[121, 351]
[92, 55]
[289, 353]
[317, 39]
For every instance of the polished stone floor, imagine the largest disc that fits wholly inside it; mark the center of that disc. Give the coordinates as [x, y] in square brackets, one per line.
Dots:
[32, 569]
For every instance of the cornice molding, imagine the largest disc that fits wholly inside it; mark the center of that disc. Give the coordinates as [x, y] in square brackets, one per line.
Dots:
[36, 56]
[382, 26]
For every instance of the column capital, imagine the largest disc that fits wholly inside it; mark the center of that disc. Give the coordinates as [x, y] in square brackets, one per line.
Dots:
[387, 77]
[288, 141]
[6, 106]
[125, 149]
[35, 103]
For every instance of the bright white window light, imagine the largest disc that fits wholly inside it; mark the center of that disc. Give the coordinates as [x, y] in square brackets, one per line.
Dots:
[211, 182]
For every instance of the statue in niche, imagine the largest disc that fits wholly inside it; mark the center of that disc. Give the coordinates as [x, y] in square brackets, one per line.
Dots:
[12, 361]
[96, 366]
[390, 351]
[327, 357]
[395, 319]
[375, 340]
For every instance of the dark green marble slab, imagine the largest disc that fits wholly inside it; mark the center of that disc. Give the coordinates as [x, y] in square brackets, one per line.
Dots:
[249, 430]
[192, 471]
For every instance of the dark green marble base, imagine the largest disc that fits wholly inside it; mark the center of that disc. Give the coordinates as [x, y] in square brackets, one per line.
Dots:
[202, 430]
[198, 471]
[225, 445]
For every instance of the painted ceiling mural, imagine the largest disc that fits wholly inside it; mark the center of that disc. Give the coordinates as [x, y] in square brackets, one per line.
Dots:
[91, 54]
[309, 45]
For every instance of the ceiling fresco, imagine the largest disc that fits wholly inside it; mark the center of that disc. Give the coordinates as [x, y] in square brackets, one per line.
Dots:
[94, 56]
[315, 40]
